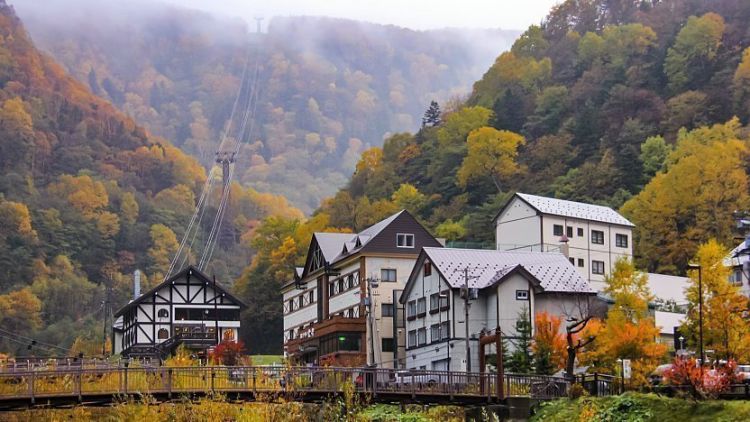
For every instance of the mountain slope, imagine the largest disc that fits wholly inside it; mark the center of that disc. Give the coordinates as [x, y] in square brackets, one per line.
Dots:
[86, 197]
[330, 87]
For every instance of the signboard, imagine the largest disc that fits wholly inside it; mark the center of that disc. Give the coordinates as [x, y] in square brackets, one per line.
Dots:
[626, 372]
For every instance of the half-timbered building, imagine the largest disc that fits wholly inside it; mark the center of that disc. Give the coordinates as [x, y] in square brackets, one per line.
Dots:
[188, 308]
[342, 307]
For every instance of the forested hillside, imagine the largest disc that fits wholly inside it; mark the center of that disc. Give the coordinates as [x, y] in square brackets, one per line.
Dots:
[86, 197]
[628, 103]
[330, 88]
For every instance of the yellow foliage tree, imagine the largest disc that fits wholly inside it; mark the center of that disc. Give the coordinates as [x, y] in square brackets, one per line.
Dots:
[724, 329]
[491, 153]
[693, 200]
[20, 311]
[83, 193]
[629, 331]
[164, 244]
[129, 208]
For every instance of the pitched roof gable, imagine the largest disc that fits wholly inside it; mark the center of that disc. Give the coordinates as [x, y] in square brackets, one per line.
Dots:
[552, 272]
[570, 209]
[194, 272]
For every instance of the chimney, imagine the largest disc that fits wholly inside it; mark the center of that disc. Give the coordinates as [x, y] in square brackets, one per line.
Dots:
[564, 246]
[136, 284]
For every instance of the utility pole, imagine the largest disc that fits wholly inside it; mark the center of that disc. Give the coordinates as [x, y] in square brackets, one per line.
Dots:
[106, 312]
[371, 283]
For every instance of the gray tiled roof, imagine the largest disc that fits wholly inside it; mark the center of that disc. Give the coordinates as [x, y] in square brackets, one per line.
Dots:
[331, 244]
[572, 209]
[553, 270]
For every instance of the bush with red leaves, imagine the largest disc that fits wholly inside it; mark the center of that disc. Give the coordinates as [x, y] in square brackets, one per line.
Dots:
[712, 382]
[227, 352]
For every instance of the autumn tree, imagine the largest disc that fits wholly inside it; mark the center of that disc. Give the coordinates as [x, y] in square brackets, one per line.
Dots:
[629, 331]
[693, 200]
[724, 329]
[548, 343]
[164, 245]
[16, 135]
[492, 153]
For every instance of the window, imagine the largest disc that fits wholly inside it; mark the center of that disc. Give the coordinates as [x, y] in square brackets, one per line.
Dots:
[411, 309]
[311, 296]
[580, 262]
[427, 269]
[412, 340]
[580, 232]
[387, 345]
[435, 333]
[421, 306]
[301, 300]
[197, 314]
[572, 260]
[405, 240]
[386, 310]
[621, 240]
[736, 277]
[163, 313]
[438, 302]
[597, 237]
[422, 336]
[569, 231]
[597, 267]
[522, 295]
[330, 289]
[446, 330]
[163, 334]
[388, 274]
[557, 230]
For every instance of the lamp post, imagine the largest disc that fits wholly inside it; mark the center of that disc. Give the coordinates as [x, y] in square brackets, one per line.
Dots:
[682, 342]
[622, 373]
[700, 311]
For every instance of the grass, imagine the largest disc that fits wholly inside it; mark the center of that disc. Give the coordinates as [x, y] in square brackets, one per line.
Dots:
[267, 359]
[634, 407]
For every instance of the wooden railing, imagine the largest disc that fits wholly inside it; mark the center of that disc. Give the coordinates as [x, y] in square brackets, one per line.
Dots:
[43, 384]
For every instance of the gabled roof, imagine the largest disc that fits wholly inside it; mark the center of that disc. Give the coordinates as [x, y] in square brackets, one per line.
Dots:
[552, 272]
[571, 209]
[331, 244]
[194, 272]
[337, 246]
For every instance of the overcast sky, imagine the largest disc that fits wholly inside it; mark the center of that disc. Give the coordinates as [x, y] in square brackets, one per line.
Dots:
[415, 14]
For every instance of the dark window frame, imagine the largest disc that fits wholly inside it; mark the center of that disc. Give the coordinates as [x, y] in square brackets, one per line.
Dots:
[621, 240]
[597, 237]
[557, 229]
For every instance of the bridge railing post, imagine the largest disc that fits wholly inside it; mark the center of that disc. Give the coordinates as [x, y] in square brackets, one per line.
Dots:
[213, 378]
[169, 383]
[255, 388]
[78, 383]
[31, 386]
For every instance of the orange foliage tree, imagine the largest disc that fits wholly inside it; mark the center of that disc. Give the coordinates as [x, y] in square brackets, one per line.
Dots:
[549, 343]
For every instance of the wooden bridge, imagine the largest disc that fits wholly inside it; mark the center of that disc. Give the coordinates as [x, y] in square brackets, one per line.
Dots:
[101, 386]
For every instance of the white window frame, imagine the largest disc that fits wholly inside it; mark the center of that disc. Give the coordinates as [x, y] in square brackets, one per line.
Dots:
[522, 295]
[401, 240]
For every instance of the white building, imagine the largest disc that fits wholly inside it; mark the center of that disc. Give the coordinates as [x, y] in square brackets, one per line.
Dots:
[188, 308]
[325, 307]
[739, 261]
[507, 282]
[592, 236]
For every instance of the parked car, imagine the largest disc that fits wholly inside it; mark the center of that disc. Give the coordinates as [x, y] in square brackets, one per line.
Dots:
[743, 373]
[658, 376]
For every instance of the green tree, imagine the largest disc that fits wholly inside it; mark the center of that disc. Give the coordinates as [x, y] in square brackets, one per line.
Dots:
[694, 50]
[520, 361]
[654, 152]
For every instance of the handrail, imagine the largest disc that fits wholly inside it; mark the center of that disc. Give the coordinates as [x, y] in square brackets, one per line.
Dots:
[114, 381]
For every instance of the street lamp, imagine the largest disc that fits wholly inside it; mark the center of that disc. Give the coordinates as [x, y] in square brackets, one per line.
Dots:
[693, 266]
[682, 342]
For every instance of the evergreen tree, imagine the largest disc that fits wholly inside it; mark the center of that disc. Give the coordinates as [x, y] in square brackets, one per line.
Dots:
[521, 358]
[432, 115]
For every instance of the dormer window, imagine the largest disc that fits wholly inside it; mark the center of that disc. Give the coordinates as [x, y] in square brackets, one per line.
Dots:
[405, 240]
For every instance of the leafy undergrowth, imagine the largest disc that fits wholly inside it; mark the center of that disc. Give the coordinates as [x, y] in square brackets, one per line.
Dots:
[633, 407]
[219, 409]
